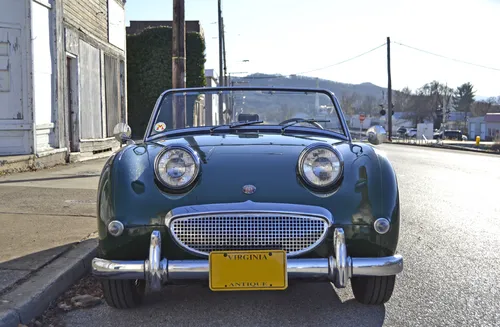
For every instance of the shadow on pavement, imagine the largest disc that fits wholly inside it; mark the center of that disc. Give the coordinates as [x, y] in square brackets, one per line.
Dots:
[15, 271]
[305, 304]
[48, 178]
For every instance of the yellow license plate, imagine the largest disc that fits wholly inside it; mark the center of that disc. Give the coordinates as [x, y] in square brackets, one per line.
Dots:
[260, 270]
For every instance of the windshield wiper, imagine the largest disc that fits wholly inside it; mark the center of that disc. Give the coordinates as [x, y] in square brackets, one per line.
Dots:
[304, 121]
[246, 123]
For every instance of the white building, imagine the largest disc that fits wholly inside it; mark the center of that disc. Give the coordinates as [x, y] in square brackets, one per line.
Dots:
[487, 127]
[212, 103]
[62, 76]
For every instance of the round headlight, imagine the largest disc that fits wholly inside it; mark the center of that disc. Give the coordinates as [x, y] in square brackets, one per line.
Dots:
[320, 165]
[177, 167]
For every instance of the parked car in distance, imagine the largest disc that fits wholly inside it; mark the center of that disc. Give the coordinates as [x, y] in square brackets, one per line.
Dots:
[451, 135]
[248, 199]
[401, 131]
[411, 133]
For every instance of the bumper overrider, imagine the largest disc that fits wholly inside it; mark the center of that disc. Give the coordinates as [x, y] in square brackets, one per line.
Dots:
[338, 268]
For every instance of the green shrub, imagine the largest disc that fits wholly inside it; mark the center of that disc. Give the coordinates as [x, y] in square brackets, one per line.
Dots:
[149, 71]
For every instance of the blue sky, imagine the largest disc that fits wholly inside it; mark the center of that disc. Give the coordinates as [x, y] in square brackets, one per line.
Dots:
[295, 36]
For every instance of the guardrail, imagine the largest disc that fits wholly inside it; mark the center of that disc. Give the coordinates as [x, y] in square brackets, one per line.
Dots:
[414, 140]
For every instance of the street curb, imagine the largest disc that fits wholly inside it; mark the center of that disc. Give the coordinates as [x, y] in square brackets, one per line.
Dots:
[31, 298]
[448, 147]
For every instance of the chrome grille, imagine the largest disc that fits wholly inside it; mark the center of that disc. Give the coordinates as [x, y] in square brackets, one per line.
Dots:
[270, 231]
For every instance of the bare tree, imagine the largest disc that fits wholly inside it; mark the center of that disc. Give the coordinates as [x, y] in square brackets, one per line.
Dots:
[348, 102]
[446, 94]
[403, 100]
[480, 108]
[420, 107]
[369, 104]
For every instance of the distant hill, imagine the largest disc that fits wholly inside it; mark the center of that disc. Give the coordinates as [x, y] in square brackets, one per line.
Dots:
[354, 98]
[363, 89]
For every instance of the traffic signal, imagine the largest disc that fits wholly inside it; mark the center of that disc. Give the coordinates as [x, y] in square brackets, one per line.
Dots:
[383, 112]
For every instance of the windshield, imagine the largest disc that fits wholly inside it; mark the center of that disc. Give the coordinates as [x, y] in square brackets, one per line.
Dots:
[219, 107]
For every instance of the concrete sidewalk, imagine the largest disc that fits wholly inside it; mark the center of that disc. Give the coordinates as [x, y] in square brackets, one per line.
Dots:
[47, 238]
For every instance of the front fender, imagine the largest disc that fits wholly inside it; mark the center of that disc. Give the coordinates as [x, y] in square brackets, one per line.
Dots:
[390, 203]
[105, 198]
[122, 177]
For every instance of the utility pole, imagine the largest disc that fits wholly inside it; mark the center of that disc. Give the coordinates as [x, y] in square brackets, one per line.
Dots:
[179, 63]
[389, 89]
[221, 74]
[224, 52]
[226, 81]
[445, 108]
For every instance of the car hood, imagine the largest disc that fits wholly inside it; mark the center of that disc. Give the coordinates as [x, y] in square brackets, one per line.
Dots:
[266, 161]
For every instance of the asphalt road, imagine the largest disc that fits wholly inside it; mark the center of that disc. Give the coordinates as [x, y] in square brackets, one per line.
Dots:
[450, 239]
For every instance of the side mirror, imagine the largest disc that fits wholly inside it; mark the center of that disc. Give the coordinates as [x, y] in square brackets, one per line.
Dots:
[376, 135]
[123, 133]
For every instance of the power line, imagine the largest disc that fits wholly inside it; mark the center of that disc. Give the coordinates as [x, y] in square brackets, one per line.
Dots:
[445, 57]
[343, 61]
[313, 70]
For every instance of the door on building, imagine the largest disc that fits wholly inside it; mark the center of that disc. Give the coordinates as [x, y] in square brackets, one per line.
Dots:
[483, 131]
[16, 135]
[114, 91]
[472, 132]
[72, 104]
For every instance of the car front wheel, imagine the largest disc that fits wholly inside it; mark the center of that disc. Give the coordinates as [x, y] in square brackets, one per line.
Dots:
[374, 289]
[123, 294]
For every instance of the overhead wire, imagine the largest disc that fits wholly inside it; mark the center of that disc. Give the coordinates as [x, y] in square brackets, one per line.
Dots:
[369, 51]
[325, 67]
[343, 61]
[446, 57]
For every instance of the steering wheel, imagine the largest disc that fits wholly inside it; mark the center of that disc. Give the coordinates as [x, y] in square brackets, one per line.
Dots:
[301, 120]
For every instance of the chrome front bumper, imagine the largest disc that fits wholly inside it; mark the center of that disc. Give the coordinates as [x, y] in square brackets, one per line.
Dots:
[337, 269]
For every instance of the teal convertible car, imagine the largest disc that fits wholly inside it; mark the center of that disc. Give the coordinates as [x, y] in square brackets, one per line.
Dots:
[247, 189]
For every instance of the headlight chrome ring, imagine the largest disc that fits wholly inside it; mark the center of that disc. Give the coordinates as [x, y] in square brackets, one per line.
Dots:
[382, 225]
[177, 167]
[321, 166]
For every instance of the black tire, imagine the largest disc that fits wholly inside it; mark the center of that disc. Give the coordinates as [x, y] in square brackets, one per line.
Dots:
[123, 294]
[373, 290]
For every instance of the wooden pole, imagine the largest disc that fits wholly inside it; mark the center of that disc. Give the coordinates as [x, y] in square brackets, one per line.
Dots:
[226, 80]
[221, 53]
[179, 63]
[224, 53]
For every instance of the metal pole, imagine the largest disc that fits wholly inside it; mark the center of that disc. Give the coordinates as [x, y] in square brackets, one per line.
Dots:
[178, 63]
